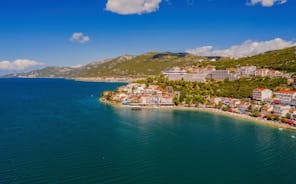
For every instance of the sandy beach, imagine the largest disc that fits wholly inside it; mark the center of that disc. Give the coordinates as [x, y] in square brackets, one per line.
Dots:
[215, 111]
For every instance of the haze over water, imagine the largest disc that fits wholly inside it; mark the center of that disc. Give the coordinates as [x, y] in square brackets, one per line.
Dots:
[56, 131]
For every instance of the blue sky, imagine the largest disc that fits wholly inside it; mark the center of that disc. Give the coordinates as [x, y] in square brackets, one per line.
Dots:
[41, 30]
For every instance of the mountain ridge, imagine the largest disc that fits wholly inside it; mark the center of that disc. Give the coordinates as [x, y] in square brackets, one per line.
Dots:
[153, 63]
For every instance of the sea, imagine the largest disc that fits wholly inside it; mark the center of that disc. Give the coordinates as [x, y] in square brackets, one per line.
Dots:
[56, 131]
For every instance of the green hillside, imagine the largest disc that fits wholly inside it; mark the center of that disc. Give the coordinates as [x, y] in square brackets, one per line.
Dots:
[153, 63]
[284, 60]
[140, 66]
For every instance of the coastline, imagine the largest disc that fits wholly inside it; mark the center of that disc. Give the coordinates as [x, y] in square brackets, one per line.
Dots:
[106, 79]
[214, 111]
[83, 79]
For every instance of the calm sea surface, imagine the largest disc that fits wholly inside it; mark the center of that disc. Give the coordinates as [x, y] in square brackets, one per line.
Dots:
[56, 131]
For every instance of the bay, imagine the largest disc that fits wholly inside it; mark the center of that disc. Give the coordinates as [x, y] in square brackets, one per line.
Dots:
[56, 131]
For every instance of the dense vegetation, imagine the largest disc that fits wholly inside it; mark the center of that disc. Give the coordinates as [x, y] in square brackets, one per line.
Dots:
[284, 60]
[194, 92]
[140, 66]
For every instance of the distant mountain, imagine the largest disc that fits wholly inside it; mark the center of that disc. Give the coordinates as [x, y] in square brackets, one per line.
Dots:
[152, 63]
[47, 72]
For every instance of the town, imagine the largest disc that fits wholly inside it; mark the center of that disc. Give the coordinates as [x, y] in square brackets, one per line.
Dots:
[277, 106]
[202, 74]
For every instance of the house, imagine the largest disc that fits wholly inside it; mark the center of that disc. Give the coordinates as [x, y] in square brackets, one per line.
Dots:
[293, 114]
[281, 110]
[159, 90]
[146, 99]
[262, 94]
[244, 106]
[215, 100]
[285, 96]
[293, 77]
[234, 103]
[266, 109]
[166, 100]
[293, 102]
[169, 89]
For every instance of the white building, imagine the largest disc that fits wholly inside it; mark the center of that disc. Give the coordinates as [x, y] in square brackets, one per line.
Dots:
[246, 70]
[285, 96]
[281, 110]
[262, 94]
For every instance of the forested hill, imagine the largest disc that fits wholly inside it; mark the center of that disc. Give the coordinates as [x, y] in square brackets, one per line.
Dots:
[153, 63]
[284, 60]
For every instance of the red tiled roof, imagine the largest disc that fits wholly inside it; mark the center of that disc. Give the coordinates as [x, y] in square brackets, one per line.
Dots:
[265, 108]
[260, 89]
[286, 91]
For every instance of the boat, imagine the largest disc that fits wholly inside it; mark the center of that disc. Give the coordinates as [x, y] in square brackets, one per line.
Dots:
[136, 108]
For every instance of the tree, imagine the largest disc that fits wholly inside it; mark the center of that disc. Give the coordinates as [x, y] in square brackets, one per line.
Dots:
[269, 117]
[176, 101]
[283, 120]
[220, 105]
[225, 108]
[288, 116]
[255, 113]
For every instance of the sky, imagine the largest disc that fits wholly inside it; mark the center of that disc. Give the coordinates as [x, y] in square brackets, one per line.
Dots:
[36, 33]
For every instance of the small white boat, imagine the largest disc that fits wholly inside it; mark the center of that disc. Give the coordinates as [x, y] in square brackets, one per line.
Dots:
[136, 108]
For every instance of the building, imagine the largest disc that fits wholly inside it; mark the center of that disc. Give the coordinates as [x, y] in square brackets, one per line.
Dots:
[294, 80]
[285, 96]
[175, 73]
[246, 70]
[267, 109]
[192, 74]
[264, 72]
[262, 94]
[281, 110]
[194, 77]
[293, 102]
[166, 100]
[216, 100]
[222, 75]
[293, 114]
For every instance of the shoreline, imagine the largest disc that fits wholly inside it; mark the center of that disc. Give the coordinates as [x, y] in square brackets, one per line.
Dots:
[213, 111]
[106, 79]
[90, 79]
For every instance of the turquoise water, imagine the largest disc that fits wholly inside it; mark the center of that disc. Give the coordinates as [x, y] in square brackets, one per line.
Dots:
[55, 131]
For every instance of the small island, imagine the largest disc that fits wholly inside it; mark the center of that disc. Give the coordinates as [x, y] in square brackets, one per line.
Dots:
[256, 94]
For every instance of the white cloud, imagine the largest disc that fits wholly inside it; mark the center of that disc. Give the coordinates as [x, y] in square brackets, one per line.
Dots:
[248, 48]
[125, 7]
[267, 3]
[18, 65]
[79, 38]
